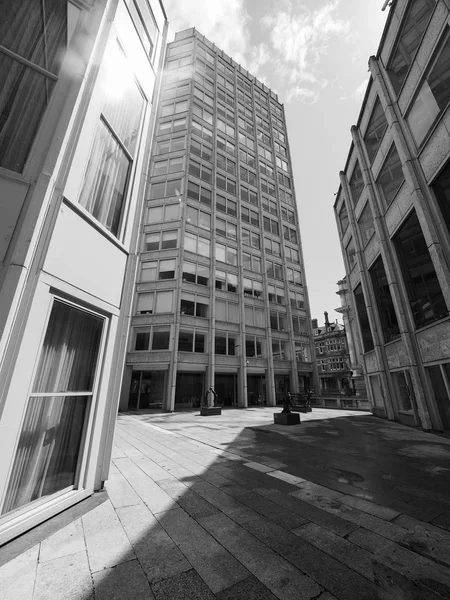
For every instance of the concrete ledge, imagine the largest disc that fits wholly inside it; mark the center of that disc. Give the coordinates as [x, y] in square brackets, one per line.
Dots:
[208, 411]
[286, 418]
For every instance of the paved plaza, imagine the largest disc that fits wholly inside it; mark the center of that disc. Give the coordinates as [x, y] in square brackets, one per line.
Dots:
[227, 507]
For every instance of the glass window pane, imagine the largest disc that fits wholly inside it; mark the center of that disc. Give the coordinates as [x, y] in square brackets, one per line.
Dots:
[415, 23]
[172, 212]
[441, 188]
[440, 391]
[356, 183]
[21, 89]
[366, 225]
[145, 303]
[199, 345]
[152, 241]
[402, 395]
[204, 220]
[185, 341]
[167, 269]
[233, 312]
[220, 344]
[105, 181]
[231, 256]
[221, 310]
[164, 302]
[161, 339]
[363, 318]
[204, 247]
[68, 357]
[155, 215]
[48, 449]
[169, 239]
[375, 130]
[149, 271]
[190, 242]
[384, 302]
[391, 176]
[142, 340]
[124, 103]
[351, 254]
[202, 275]
[422, 285]
[173, 187]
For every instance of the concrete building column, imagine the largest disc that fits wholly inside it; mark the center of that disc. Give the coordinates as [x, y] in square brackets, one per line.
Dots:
[368, 296]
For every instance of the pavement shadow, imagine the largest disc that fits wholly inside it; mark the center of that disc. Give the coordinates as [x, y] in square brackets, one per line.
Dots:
[234, 507]
[227, 525]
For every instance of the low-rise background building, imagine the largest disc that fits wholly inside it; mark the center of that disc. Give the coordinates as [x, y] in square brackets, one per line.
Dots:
[332, 359]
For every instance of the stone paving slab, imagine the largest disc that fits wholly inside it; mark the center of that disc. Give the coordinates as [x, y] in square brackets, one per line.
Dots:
[276, 573]
[158, 554]
[217, 567]
[127, 581]
[349, 554]
[234, 508]
[107, 544]
[17, 577]
[67, 577]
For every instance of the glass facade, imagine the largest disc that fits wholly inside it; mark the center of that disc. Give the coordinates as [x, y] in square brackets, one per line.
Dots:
[424, 291]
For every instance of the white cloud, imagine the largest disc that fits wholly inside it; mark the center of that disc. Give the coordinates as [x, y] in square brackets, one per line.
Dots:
[303, 95]
[223, 23]
[358, 93]
[299, 38]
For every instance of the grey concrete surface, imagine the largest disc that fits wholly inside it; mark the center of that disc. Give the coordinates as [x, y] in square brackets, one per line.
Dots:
[343, 506]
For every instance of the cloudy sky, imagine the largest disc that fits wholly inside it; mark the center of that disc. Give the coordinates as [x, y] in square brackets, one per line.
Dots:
[314, 54]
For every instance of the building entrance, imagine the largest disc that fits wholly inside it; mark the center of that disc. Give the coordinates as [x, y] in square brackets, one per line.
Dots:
[189, 390]
[256, 389]
[225, 386]
[440, 380]
[146, 389]
[282, 387]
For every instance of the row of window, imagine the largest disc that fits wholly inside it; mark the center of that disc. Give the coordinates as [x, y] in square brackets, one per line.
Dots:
[155, 270]
[431, 100]
[195, 340]
[197, 305]
[420, 280]
[389, 181]
[164, 240]
[332, 364]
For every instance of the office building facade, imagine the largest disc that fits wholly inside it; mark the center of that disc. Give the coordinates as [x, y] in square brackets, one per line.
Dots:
[79, 82]
[220, 298]
[392, 211]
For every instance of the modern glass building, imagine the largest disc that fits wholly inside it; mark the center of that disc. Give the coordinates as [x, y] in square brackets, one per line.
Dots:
[393, 216]
[220, 298]
[77, 111]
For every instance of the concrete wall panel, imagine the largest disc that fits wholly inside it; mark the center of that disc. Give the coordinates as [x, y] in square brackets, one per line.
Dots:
[86, 259]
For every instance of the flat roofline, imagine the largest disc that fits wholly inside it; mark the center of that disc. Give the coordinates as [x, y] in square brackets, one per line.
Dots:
[193, 32]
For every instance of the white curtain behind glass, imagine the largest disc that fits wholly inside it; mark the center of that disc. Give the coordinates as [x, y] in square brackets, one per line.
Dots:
[109, 164]
[48, 446]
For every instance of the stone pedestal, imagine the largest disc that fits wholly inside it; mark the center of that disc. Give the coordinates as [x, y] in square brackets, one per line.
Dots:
[208, 411]
[286, 418]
